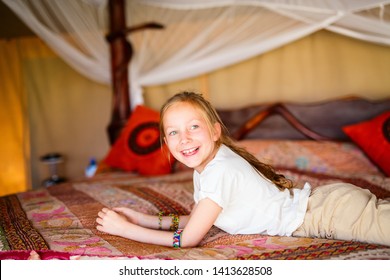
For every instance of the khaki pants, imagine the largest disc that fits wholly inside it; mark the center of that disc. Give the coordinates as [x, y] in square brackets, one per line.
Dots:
[347, 212]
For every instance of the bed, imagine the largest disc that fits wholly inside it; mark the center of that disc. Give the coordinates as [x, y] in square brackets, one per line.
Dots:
[335, 140]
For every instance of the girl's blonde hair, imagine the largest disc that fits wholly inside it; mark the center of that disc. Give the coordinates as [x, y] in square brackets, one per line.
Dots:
[211, 117]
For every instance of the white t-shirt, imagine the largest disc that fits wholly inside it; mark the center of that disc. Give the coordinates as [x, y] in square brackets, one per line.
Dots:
[250, 202]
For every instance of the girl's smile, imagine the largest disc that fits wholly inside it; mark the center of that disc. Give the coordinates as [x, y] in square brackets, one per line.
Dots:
[190, 152]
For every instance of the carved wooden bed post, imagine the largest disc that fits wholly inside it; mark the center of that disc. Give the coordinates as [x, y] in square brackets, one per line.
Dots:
[121, 53]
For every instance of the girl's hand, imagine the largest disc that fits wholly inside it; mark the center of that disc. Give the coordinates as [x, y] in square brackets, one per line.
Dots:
[112, 222]
[132, 215]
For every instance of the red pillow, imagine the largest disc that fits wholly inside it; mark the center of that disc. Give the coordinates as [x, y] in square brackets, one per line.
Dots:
[138, 146]
[373, 136]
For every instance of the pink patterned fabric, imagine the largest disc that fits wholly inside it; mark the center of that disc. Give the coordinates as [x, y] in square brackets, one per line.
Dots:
[59, 222]
[326, 157]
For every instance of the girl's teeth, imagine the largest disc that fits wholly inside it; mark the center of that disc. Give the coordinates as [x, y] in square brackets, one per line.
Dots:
[189, 151]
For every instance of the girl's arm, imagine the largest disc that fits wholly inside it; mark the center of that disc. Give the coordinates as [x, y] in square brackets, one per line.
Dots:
[202, 218]
[197, 225]
[110, 221]
[150, 221]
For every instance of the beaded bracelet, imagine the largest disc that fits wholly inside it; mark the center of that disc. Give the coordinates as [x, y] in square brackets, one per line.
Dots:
[160, 214]
[175, 222]
[176, 238]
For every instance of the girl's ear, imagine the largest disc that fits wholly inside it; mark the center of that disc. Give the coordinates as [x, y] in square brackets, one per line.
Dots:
[217, 131]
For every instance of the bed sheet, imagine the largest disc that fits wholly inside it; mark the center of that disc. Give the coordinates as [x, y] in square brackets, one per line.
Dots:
[59, 222]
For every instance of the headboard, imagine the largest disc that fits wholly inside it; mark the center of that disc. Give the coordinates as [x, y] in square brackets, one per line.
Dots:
[319, 120]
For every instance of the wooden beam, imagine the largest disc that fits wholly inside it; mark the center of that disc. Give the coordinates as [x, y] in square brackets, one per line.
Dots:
[121, 53]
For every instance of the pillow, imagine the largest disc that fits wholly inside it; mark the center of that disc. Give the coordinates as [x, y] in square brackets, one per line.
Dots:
[373, 136]
[322, 157]
[138, 146]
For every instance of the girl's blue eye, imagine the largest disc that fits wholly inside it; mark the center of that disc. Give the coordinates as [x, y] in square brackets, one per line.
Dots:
[172, 133]
[195, 126]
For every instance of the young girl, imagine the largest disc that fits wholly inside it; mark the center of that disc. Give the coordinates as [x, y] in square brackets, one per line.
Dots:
[241, 195]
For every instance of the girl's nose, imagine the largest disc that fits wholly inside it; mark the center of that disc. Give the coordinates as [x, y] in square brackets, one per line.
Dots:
[185, 138]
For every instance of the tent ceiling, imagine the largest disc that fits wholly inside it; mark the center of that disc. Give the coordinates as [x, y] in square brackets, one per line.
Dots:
[199, 36]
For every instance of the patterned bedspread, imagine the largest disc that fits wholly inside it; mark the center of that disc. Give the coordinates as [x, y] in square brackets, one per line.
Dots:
[59, 222]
